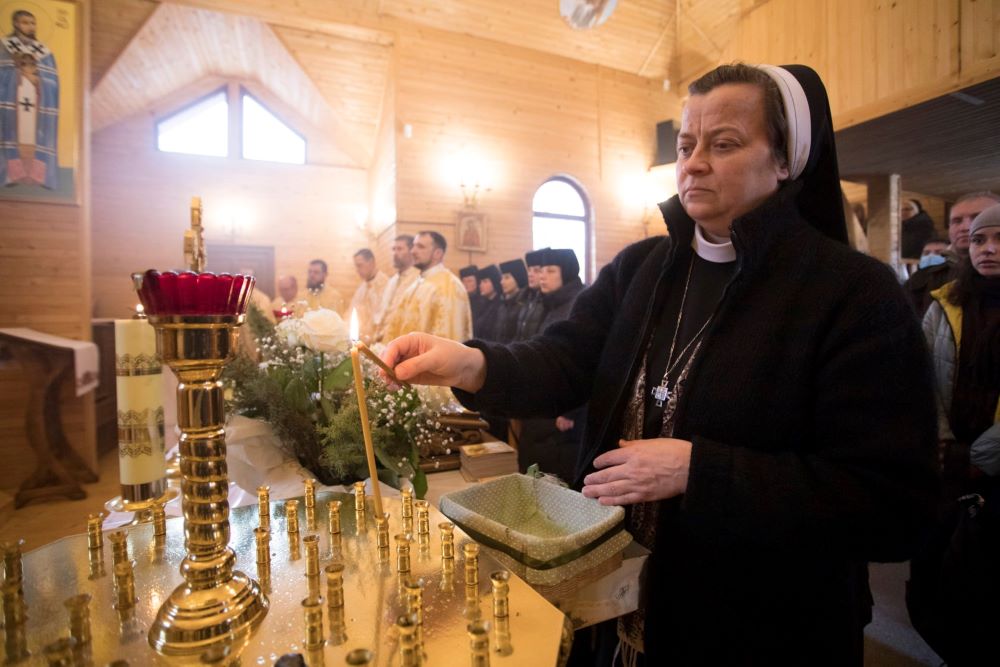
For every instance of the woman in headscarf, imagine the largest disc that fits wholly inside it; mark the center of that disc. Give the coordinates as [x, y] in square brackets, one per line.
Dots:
[488, 323]
[953, 587]
[759, 395]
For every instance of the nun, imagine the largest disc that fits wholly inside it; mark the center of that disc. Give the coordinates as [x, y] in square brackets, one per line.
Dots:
[759, 395]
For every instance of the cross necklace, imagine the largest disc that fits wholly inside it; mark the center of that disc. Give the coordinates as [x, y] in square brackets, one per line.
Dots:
[662, 391]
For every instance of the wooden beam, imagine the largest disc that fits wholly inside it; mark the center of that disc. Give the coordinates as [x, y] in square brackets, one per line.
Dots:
[331, 18]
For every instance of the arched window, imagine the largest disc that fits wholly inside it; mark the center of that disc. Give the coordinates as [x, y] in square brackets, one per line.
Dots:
[560, 218]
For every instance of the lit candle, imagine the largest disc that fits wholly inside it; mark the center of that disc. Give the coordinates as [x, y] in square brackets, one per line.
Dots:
[366, 429]
[139, 375]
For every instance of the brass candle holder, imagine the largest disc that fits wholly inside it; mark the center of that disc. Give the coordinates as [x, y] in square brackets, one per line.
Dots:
[406, 498]
[479, 643]
[292, 518]
[360, 657]
[359, 505]
[262, 536]
[264, 506]
[447, 540]
[78, 607]
[311, 542]
[95, 530]
[124, 586]
[402, 553]
[13, 567]
[310, 492]
[119, 547]
[382, 532]
[159, 520]
[197, 318]
[333, 517]
[471, 551]
[313, 617]
[335, 585]
[423, 521]
[501, 588]
[409, 644]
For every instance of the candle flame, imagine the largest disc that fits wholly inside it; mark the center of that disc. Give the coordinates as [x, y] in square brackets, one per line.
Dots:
[355, 328]
[139, 308]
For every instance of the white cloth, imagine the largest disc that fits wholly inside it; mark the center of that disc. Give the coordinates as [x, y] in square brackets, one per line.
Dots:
[797, 114]
[85, 355]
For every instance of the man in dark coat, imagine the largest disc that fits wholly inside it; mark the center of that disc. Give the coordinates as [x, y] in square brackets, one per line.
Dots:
[529, 320]
[514, 288]
[918, 228]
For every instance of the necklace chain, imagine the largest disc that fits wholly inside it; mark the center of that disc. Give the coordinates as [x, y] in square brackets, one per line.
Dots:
[662, 392]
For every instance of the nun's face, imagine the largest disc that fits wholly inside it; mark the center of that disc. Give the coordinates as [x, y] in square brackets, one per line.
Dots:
[725, 163]
[550, 279]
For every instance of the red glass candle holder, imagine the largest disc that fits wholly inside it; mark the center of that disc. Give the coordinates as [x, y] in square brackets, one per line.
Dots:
[188, 293]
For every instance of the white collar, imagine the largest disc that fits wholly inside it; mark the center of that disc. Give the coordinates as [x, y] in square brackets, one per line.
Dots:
[717, 253]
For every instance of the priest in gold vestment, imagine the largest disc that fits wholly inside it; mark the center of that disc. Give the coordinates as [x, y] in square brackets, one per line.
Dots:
[405, 277]
[367, 300]
[317, 293]
[437, 303]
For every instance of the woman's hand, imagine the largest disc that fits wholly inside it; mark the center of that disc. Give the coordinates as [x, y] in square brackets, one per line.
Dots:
[425, 359]
[640, 471]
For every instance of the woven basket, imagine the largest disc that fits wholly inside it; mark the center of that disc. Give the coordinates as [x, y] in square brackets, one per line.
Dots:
[542, 532]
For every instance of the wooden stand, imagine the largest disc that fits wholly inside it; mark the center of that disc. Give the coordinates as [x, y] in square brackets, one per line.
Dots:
[60, 469]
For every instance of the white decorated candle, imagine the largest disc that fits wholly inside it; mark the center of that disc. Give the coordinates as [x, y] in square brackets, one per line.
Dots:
[139, 375]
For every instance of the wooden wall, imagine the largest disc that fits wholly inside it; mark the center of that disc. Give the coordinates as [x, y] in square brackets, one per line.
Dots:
[511, 118]
[45, 285]
[140, 211]
[874, 56]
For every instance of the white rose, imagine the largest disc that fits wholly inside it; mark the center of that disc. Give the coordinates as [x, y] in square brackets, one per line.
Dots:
[324, 331]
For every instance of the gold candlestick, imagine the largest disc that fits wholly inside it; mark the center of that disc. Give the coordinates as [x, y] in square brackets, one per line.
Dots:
[13, 568]
[359, 505]
[263, 539]
[382, 532]
[333, 516]
[14, 609]
[338, 627]
[335, 585]
[119, 547]
[471, 551]
[402, 553]
[95, 530]
[501, 588]
[197, 319]
[406, 503]
[78, 607]
[159, 520]
[413, 591]
[60, 652]
[409, 644]
[447, 540]
[313, 616]
[423, 521]
[479, 643]
[124, 585]
[292, 518]
[310, 492]
[366, 429]
[311, 542]
[447, 575]
[264, 506]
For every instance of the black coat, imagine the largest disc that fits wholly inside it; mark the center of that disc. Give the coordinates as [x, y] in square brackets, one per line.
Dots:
[917, 231]
[488, 322]
[811, 412]
[529, 320]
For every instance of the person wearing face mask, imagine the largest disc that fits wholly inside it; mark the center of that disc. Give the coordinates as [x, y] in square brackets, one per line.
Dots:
[932, 277]
[759, 395]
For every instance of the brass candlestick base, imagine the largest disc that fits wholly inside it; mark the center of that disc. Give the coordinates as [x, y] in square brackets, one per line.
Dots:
[142, 510]
[215, 608]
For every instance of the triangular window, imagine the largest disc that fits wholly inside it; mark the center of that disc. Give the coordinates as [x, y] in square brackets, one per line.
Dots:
[201, 128]
[265, 137]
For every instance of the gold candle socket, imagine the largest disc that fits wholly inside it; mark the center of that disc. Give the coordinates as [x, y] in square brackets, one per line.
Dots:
[335, 585]
[60, 652]
[471, 551]
[479, 643]
[423, 520]
[119, 547]
[406, 513]
[338, 628]
[402, 553]
[413, 591]
[124, 586]
[215, 606]
[292, 516]
[310, 492]
[14, 608]
[409, 644]
[501, 588]
[313, 616]
[79, 618]
[333, 516]
[382, 532]
[311, 542]
[159, 520]
[360, 657]
[13, 568]
[264, 506]
[359, 504]
[447, 540]
[263, 539]
[95, 530]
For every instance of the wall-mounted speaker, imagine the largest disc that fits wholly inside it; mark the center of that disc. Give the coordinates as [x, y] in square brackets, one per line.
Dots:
[666, 143]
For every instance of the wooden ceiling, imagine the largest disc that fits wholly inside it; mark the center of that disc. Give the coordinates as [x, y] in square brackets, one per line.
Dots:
[944, 147]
